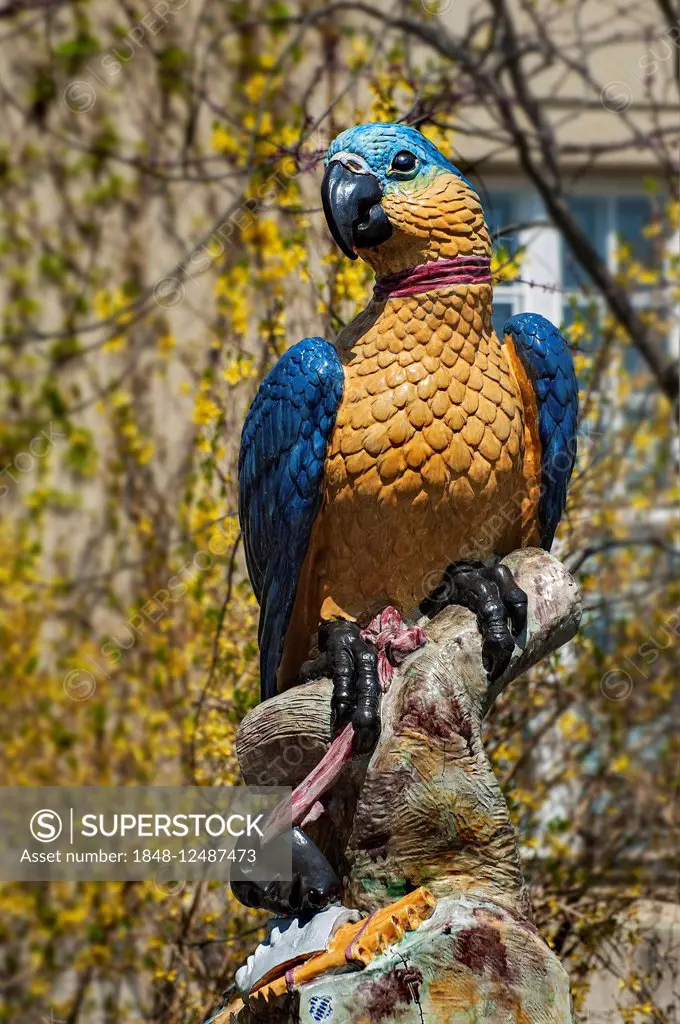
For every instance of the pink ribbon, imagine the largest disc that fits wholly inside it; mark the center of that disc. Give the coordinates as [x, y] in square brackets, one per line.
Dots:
[291, 811]
[429, 277]
[393, 641]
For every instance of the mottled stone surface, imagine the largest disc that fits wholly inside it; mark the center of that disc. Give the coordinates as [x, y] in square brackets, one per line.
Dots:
[472, 961]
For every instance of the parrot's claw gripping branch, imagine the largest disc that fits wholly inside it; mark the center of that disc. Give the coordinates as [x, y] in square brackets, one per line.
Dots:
[352, 664]
[494, 597]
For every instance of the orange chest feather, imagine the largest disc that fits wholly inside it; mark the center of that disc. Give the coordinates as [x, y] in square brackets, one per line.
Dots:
[431, 409]
[427, 463]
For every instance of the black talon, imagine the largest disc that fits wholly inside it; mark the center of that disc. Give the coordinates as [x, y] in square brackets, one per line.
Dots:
[512, 596]
[352, 664]
[314, 883]
[482, 596]
[338, 638]
[494, 597]
[366, 717]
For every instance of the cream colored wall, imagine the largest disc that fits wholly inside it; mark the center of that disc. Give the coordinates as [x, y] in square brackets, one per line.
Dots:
[630, 55]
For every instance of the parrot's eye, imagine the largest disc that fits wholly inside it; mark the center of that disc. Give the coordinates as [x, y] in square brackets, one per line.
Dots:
[403, 162]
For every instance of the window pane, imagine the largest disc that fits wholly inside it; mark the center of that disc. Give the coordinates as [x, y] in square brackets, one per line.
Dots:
[590, 213]
[633, 215]
[502, 311]
[500, 209]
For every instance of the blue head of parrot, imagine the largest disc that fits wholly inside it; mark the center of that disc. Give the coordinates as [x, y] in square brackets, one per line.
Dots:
[385, 186]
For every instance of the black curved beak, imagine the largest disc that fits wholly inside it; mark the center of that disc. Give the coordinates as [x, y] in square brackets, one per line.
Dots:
[351, 203]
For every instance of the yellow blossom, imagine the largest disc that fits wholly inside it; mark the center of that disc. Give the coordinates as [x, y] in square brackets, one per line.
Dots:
[205, 410]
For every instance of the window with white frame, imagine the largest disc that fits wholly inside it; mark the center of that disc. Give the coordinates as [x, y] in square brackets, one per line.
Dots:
[610, 222]
[551, 281]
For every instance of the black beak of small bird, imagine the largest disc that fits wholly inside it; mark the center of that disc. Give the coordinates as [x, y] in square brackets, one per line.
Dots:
[351, 203]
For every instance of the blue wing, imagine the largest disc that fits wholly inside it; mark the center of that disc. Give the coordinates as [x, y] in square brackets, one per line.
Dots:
[547, 363]
[280, 474]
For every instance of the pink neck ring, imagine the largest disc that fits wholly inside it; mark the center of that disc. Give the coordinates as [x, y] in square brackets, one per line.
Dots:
[429, 277]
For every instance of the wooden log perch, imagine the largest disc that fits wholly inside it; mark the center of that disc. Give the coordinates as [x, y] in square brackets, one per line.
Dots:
[426, 810]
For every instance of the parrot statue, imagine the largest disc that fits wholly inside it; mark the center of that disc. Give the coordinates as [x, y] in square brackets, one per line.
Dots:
[416, 447]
